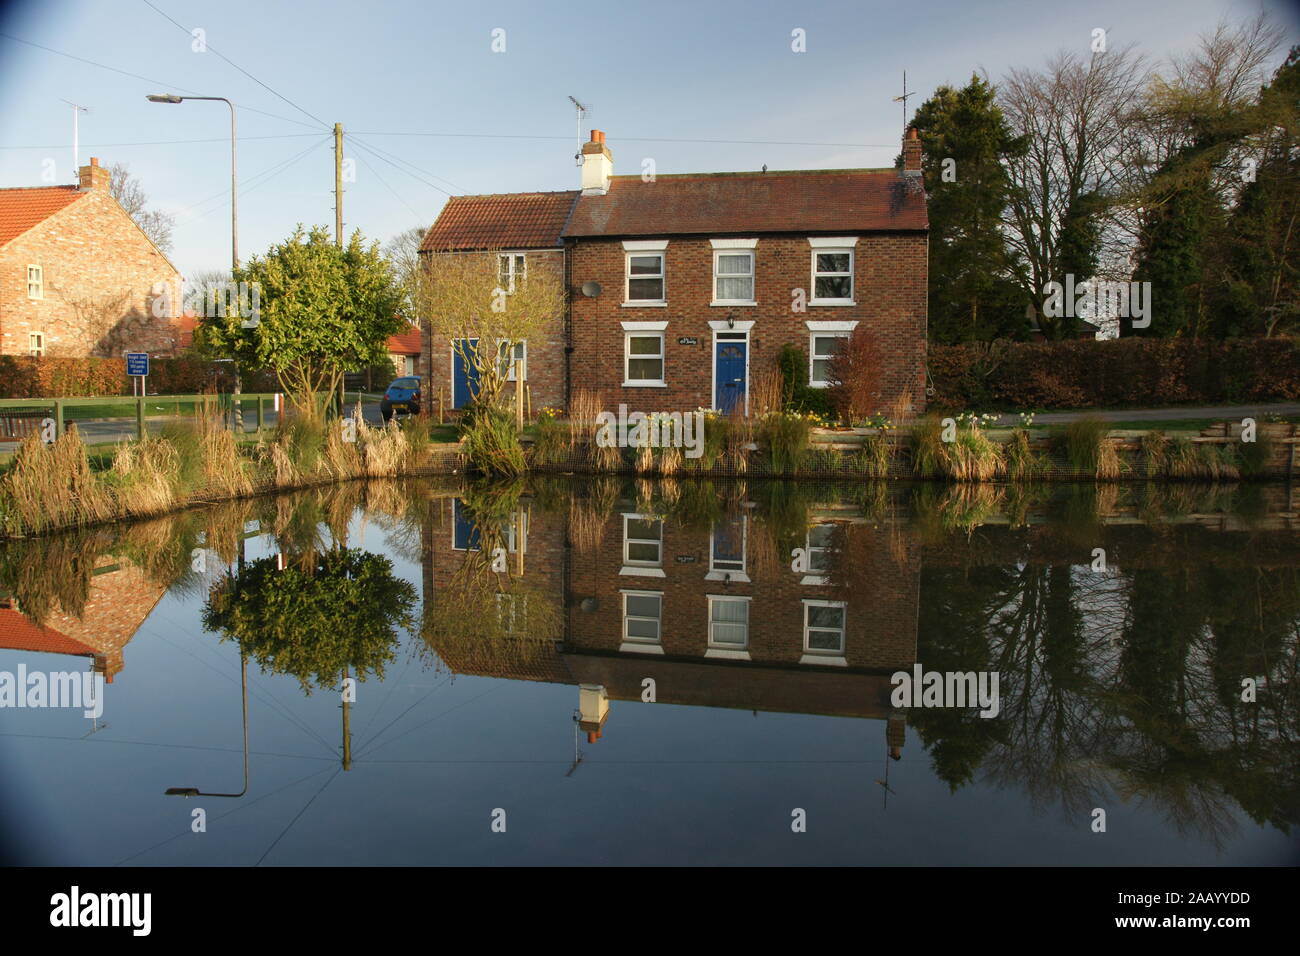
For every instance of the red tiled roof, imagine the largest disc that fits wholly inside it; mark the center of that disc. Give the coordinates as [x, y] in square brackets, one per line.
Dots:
[405, 343]
[18, 633]
[22, 208]
[501, 221]
[828, 201]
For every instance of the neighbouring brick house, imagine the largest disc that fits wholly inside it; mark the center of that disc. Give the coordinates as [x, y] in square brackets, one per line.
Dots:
[77, 275]
[523, 231]
[683, 288]
[405, 353]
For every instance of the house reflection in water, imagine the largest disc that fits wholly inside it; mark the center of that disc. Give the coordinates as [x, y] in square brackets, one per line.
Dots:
[716, 616]
[120, 597]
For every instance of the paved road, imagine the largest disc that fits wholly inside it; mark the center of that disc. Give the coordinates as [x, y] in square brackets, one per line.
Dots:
[1178, 413]
[103, 431]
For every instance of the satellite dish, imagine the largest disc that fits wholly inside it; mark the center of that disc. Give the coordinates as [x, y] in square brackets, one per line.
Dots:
[590, 605]
[591, 289]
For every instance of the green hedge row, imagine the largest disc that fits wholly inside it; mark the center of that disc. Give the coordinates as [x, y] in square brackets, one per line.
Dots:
[1115, 372]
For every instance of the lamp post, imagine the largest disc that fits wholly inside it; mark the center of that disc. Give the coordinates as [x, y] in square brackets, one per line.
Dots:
[234, 192]
[234, 212]
[194, 791]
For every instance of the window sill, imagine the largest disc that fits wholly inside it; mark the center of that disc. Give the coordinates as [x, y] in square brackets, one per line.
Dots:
[727, 654]
[636, 647]
[832, 303]
[734, 577]
[728, 303]
[824, 659]
[814, 580]
[637, 572]
[645, 305]
[645, 384]
[819, 384]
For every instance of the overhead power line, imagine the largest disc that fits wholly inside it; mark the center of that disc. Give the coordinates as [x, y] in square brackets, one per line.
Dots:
[169, 142]
[213, 50]
[137, 76]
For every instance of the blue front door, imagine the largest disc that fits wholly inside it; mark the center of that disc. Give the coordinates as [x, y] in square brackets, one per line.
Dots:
[729, 375]
[464, 377]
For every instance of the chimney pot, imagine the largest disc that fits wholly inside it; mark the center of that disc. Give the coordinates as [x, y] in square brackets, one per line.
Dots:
[911, 152]
[93, 176]
[597, 165]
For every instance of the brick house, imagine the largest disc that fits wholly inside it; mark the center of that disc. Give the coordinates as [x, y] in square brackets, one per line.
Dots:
[77, 275]
[701, 612]
[683, 288]
[523, 231]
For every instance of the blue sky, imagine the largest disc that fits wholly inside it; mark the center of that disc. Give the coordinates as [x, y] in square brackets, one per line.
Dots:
[663, 80]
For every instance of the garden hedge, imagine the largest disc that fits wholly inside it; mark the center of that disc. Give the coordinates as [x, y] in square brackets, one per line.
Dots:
[1114, 373]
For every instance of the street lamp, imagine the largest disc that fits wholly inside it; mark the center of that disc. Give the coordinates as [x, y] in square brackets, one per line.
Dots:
[195, 791]
[234, 217]
[234, 191]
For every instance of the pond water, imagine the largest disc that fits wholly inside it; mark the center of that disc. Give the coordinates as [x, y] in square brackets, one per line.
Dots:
[606, 671]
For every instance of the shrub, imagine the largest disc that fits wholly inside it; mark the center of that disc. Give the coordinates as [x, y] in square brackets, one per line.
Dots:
[856, 371]
[492, 444]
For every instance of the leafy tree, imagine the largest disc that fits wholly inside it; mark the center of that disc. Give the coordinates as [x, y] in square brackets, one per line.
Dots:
[1258, 271]
[966, 141]
[129, 193]
[324, 311]
[335, 611]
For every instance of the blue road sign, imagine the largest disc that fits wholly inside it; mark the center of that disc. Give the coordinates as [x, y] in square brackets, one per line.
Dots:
[137, 363]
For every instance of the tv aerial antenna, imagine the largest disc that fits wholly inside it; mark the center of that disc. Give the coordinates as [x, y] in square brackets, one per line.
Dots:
[583, 110]
[904, 98]
[77, 109]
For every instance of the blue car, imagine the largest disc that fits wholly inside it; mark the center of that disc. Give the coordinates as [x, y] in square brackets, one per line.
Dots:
[402, 396]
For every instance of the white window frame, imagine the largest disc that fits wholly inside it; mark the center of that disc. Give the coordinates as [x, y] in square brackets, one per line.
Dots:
[813, 381]
[740, 574]
[508, 612]
[517, 532]
[36, 280]
[821, 655]
[637, 250]
[815, 576]
[649, 569]
[723, 648]
[834, 245]
[719, 251]
[628, 336]
[522, 345]
[512, 268]
[36, 344]
[642, 644]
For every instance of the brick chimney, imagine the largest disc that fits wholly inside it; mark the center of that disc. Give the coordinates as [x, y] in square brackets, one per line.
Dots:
[93, 176]
[911, 153]
[597, 165]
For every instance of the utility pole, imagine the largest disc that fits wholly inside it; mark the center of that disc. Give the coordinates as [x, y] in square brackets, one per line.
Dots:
[338, 241]
[338, 185]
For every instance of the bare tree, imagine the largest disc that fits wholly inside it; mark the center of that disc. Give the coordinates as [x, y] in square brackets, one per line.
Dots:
[1075, 114]
[130, 194]
[485, 314]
